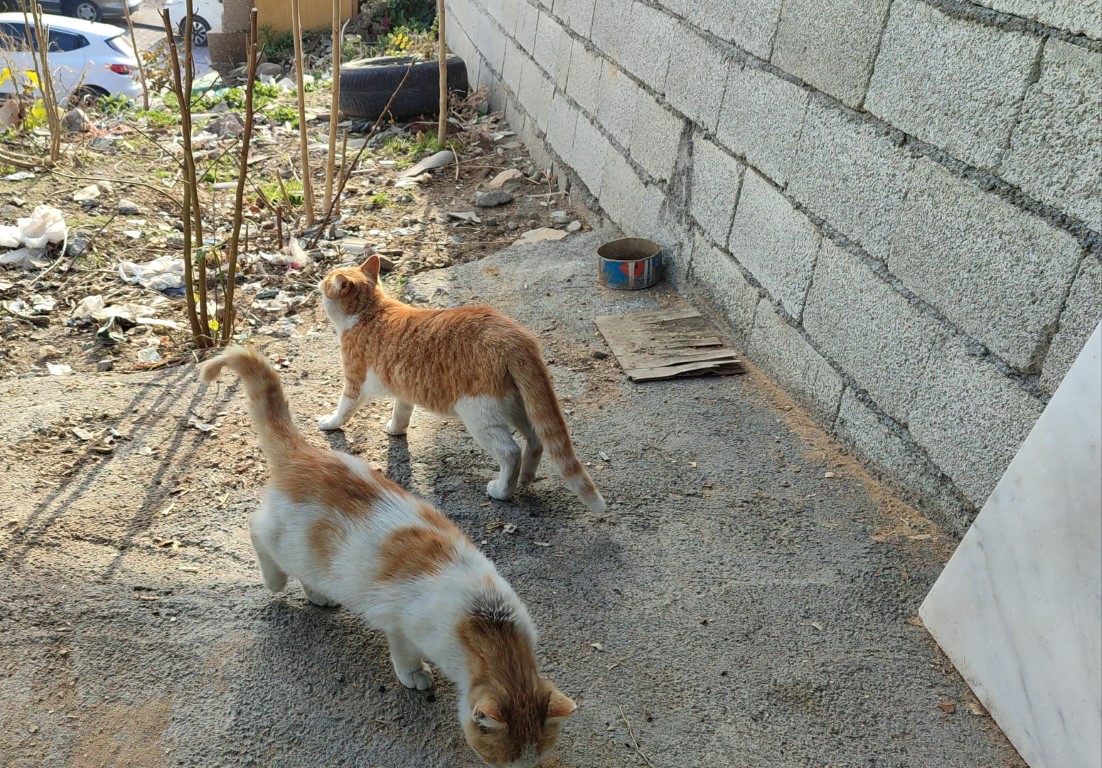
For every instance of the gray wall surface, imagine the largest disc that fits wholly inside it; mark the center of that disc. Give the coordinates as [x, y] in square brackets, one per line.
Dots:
[896, 205]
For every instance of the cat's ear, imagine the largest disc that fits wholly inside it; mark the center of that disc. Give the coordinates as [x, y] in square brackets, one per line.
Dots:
[560, 706]
[371, 267]
[487, 714]
[342, 284]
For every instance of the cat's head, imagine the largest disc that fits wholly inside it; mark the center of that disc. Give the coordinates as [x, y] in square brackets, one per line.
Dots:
[515, 729]
[347, 291]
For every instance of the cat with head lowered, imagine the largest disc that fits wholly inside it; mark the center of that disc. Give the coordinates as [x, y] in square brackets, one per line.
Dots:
[471, 362]
[352, 537]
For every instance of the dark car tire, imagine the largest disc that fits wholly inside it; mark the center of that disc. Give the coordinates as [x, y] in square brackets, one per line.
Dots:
[200, 27]
[367, 85]
[83, 9]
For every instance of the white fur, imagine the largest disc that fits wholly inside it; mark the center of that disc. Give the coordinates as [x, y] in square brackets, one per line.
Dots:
[419, 616]
[346, 406]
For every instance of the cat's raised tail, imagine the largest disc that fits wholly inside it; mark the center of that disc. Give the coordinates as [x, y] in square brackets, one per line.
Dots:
[530, 375]
[267, 403]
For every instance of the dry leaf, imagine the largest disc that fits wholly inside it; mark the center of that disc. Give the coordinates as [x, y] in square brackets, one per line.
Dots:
[947, 707]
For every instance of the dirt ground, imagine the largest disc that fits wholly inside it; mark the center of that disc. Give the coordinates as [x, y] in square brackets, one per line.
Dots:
[735, 605]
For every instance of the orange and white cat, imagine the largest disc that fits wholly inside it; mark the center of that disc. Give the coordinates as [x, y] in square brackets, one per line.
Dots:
[471, 362]
[354, 538]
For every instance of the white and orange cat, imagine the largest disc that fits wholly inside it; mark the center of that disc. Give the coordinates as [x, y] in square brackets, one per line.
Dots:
[354, 538]
[471, 362]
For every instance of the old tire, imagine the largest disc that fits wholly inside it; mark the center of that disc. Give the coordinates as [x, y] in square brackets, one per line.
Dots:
[367, 85]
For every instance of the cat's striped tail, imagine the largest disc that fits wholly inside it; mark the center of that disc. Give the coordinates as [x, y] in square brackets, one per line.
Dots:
[534, 382]
[267, 403]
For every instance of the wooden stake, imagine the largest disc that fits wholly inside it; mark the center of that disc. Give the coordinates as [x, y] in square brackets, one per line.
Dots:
[334, 103]
[303, 139]
[442, 129]
[193, 180]
[228, 315]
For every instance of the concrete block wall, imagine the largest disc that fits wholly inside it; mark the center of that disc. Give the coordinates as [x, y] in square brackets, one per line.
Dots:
[894, 205]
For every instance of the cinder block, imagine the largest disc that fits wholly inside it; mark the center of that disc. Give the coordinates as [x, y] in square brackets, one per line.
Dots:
[871, 331]
[584, 81]
[647, 54]
[717, 277]
[695, 83]
[235, 15]
[997, 272]
[776, 243]
[576, 14]
[749, 24]
[548, 34]
[970, 418]
[789, 359]
[536, 92]
[716, 178]
[1055, 152]
[591, 149]
[616, 107]
[491, 42]
[513, 66]
[851, 174]
[610, 26]
[1080, 317]
[560, 129]
[655, 137]
[627, 199]
[527, 20]
[510, 13]
[227, 47]
[956, 84]
[1082, 17]
[761, 119]
[560, 64]
[831, 44]
[891, 452]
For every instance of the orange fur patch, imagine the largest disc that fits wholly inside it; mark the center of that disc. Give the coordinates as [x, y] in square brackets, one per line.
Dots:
[314, 475]
[324, 538]
[413, 551]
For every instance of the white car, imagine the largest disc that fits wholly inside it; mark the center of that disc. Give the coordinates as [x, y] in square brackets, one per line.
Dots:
[206, 16]
[85, 58]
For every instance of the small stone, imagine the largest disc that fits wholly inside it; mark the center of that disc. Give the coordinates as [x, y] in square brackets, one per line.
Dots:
[512, 226]
[128, 208]
[492, 198]
[269, 69]
[18, 202]
[505, 177]
[267, 293]
[599, 355]
[48, 352]
[559, 217]
[77, 245]
[229, 124]
[574, 226]
[106, 364]
[76, 121]
[87, 194]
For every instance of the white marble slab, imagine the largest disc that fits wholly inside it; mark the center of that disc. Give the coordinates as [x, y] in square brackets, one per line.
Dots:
[1018, 608]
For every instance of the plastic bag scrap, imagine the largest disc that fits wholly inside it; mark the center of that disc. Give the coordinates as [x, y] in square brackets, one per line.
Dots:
[30, 236]
[163, 274]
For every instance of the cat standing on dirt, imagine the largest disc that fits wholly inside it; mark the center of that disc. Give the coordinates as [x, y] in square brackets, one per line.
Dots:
[471, 362]
[352, 537]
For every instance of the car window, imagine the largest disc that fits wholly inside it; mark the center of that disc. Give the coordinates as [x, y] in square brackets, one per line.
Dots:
[13, 37]
[66, 41]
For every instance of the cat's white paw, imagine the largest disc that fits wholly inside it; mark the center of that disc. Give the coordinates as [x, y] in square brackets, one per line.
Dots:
[499, 491]
[390, 430]
[317, 598]
[330, 422]
[417, 679]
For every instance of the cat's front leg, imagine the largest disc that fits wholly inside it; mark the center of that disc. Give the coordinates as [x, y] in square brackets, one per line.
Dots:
[399, 417]
[408, 664]
[345, 408]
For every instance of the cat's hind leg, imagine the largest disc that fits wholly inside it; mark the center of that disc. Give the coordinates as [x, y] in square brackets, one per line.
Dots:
[488, 425]
[399, 417]
[345, 408]
[533, 450]
[408, 664]
[274, 577]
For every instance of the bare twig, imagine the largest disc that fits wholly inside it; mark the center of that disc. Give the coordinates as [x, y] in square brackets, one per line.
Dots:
[304, 142]
[334, 102]
[198, 332]
[242, 174]
[442, 129]
[137, 55]
[634, 743]
[352, 166]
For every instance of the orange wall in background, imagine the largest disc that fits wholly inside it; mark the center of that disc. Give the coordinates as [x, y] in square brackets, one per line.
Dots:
[316, 14]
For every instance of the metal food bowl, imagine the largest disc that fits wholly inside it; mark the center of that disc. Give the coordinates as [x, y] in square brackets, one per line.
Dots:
[629, 264]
